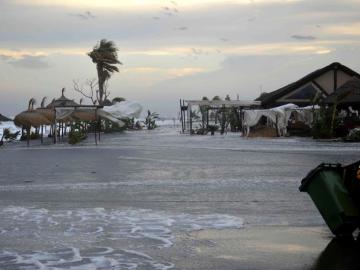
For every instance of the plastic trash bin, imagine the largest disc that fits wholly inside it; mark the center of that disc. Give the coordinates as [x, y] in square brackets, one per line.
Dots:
[326, 188]
[352, 181]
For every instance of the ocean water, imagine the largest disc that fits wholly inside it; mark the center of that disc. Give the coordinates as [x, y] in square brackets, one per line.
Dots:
[118, 204]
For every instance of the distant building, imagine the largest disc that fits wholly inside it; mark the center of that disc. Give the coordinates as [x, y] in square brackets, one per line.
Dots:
[302, 92]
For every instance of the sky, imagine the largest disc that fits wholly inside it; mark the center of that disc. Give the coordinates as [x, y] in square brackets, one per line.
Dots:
[171, 50]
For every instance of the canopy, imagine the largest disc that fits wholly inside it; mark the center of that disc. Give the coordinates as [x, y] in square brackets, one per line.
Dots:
[279, 116]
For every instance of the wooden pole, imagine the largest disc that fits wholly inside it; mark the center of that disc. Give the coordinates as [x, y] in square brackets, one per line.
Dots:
[181, 117]
[28, 136]
[96, 126]
[42, 134]
[189, 118]
[207, 117]
[223, 120]
[54, 128]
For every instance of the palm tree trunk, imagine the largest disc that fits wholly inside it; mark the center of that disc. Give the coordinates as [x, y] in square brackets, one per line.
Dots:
[101, 83]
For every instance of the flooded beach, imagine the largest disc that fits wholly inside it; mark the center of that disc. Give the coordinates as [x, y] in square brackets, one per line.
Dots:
[162, 200]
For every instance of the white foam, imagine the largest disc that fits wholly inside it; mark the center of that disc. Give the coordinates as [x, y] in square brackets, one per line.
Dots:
[141, 227]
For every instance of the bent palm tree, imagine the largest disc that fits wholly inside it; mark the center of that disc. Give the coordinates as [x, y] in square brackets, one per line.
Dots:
[104, 55]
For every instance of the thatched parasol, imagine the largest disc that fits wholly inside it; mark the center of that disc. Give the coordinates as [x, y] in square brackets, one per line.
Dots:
[84, 115]
[48, 113]
[62, 101]
[31, 117]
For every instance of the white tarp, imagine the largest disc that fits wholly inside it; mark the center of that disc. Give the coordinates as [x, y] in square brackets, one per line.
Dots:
[304, 114]
[279, 116]
[114, 113]
[276, 116]
[121, 110]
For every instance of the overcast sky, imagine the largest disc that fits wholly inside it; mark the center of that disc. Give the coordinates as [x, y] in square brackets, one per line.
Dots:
[171, 49]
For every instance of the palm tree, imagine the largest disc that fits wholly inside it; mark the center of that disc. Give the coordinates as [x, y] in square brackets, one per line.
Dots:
[104, 55]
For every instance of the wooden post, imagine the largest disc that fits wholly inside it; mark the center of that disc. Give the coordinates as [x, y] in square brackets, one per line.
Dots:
[207, 118]
[28, 136]
[189, 118]
[95, 126]
[99, 126]
[42, 134]
[222, 120]
[62, 130]
[181, 117]
[54, 129]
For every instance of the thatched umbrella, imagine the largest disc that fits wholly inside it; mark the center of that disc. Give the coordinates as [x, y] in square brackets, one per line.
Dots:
[84, 115]
[30, 118]
[62, 101]
[48, 113]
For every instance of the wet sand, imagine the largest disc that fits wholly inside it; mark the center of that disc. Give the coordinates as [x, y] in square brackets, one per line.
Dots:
[265, 247]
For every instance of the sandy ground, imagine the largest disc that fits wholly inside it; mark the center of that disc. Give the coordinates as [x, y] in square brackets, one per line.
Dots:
[271, 247]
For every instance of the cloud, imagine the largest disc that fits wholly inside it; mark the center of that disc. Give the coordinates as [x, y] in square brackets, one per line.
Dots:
[350, 29]
[4, 57]
[183, 28]
[27, 61]
[304, 38]
[87, 15]
[131, 4]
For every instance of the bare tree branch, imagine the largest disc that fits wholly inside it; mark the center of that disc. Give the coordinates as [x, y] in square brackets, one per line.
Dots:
[88, 93]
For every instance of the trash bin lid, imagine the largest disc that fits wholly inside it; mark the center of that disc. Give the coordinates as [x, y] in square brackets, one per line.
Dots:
[310, 176]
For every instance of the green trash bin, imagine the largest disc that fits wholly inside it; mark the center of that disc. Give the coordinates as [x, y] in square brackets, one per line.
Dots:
[326, 188]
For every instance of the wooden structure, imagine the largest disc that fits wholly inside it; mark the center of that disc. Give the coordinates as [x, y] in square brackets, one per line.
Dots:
[206, 107]
[76, 113]
[322, 82]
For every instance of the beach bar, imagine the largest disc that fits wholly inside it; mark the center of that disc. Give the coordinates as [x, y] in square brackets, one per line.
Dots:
[214, 107]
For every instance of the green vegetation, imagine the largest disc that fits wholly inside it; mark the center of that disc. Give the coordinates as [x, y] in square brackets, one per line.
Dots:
[212, 129]
[322, 125]
[104, 55]
[117, 99]
[150, 120]
[77, 133]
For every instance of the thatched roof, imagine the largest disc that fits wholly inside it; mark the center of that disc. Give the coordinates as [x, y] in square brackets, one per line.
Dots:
[31, 118]
[348, 93]
[4, 118]
[84, 115]
[49, 114]
[62, 101]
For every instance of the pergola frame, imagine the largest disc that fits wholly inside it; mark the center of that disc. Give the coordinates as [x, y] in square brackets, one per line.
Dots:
[185, 109]
[97, 128]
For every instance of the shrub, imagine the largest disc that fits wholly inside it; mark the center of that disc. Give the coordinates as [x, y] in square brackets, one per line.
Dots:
[77, 133]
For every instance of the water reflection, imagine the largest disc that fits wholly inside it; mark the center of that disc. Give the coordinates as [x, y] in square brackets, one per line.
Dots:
[339, 254]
